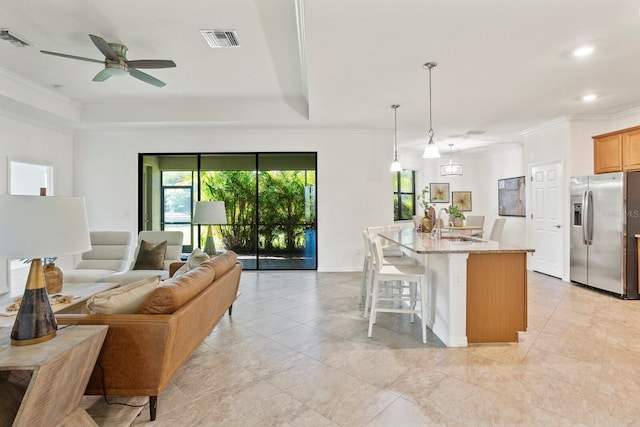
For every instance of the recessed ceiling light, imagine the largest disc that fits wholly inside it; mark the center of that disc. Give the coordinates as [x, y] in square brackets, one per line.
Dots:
[590, 97]
[583, 51]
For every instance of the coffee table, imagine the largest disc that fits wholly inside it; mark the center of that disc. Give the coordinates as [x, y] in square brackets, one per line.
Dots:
[81, 292]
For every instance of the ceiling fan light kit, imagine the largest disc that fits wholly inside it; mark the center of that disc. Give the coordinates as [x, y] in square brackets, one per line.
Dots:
[116, 63]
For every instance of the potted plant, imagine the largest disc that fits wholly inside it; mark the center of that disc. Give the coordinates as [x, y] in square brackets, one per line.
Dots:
[456, 216]
[429, 211]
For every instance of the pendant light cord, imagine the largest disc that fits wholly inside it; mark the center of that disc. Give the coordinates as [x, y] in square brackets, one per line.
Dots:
[395, 132]
[430, 109]
[429, 66]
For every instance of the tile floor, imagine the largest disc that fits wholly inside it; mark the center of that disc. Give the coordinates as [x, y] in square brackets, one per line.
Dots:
[295, 353]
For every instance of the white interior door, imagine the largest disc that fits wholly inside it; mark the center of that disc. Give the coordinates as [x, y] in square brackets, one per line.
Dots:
[546, 213]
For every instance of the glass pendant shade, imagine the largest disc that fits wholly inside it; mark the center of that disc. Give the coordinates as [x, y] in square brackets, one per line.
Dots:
[395, 165]
[451, 168]
[431, 151]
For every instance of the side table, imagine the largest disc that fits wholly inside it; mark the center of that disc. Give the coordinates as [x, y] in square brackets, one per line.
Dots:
[81, 292]
[42, 384]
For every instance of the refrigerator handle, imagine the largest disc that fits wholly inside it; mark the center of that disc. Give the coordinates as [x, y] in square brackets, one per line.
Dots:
[585, 217]
[590, 218]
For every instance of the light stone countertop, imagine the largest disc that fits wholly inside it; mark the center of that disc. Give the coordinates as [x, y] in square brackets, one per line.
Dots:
[424, 243]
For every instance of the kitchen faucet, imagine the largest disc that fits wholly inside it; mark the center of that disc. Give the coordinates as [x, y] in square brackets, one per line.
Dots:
[439, 224]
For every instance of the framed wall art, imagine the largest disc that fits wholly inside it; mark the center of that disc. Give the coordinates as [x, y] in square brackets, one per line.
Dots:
[439, 192]
[461, 199]
[511, 196]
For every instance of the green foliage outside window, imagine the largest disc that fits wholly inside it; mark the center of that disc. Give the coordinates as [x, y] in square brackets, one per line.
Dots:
[403, 195]
[282, 201]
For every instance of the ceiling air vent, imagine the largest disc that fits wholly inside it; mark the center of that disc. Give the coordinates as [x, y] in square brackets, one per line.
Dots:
[13, 38]
[220, 38]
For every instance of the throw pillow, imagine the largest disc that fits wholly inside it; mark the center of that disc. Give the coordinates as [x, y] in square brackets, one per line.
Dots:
[150, 257]
[196, 257]
[125, 299]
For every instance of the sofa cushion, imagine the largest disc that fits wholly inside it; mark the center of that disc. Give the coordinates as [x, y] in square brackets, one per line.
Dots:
[196, 257]
[177, 291]
[223, 262]
[125, 299]
[150, 257]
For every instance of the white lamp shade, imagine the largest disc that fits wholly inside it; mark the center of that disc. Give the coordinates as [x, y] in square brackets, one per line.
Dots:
[42, 227]
[209, 213]
[396, 166]
[431, 151]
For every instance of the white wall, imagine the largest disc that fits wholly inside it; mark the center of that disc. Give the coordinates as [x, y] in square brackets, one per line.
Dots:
[482, 170]
[354, 185]
[27, 142]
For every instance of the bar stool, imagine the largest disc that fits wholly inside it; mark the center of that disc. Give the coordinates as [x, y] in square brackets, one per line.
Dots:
[384, 273]
[368, 269]
[393, 252]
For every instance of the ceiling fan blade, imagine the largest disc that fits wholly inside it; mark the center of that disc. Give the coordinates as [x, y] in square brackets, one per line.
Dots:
[151, 63]
[146, 78]
[104, 48]
[64, 55]
[102, 75]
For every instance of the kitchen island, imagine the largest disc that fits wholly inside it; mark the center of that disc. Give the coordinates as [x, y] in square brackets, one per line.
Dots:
[477, 288]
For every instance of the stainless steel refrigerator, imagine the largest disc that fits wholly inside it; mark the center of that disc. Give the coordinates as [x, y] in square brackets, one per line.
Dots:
[605, 217]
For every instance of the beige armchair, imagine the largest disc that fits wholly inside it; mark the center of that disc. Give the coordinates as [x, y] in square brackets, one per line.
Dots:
[108, 255]
[173, 254]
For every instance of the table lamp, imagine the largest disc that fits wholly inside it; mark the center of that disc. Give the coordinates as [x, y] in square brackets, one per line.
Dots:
[209, 213]
[37, 227]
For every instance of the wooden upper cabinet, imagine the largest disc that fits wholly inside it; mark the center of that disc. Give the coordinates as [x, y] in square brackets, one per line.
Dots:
[617, 151]
[631, 149]
[607, 153]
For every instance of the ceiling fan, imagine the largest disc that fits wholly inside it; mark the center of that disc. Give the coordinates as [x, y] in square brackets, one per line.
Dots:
[116, 62]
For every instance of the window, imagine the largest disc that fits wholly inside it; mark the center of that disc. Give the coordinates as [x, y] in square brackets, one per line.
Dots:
[404, 195]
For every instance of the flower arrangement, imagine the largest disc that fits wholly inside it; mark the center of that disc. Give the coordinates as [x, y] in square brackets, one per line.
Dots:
[423, 199]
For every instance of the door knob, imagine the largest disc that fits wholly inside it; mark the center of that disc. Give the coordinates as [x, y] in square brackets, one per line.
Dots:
[557, 226]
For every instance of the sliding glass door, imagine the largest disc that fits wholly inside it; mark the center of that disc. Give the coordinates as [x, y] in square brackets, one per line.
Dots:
[269, 199]
[286, 211]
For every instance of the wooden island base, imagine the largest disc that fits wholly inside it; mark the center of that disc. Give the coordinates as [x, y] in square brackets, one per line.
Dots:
[496, 297]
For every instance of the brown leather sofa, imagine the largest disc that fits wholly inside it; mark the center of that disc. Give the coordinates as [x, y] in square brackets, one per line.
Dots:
[142, 352]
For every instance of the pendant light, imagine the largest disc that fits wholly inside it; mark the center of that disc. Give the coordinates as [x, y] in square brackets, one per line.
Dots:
[451, 168]
[431, 151]
[395, 166]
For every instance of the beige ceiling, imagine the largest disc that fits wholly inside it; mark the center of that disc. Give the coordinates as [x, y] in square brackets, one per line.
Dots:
[504, 65]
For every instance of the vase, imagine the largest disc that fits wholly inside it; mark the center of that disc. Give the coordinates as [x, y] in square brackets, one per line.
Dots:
[52, 278]
[457, 222]
[427, 225]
